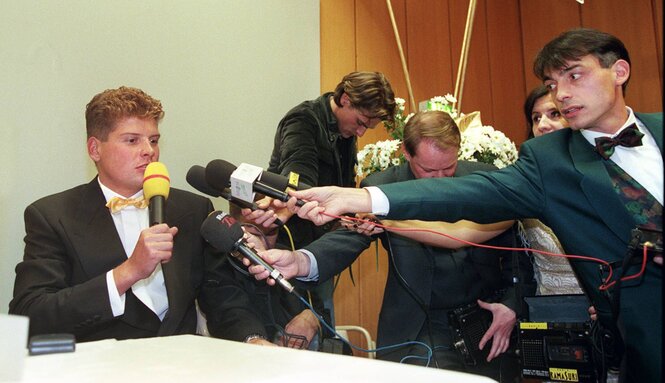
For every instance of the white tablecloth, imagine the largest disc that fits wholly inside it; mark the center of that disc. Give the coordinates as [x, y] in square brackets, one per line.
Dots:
[190, 358]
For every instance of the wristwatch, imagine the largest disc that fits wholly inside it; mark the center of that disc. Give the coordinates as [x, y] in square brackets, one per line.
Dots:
[254, 336]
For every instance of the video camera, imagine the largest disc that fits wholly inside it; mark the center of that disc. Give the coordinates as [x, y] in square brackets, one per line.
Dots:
[555, 343]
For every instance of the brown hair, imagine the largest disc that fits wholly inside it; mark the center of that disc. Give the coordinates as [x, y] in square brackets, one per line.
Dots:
[369, 91]
[433, 125]
[108, 107]
[574, 44]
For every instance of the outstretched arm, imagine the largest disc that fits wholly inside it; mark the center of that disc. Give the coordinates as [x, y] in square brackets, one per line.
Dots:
[443, 234]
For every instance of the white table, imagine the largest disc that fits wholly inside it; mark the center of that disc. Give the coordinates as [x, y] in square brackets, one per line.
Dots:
[190, 358]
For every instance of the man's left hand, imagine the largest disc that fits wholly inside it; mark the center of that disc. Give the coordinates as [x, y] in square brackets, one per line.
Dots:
[304, 324]
[503, 322]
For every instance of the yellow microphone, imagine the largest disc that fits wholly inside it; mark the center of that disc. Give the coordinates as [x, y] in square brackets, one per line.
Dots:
[156, 186]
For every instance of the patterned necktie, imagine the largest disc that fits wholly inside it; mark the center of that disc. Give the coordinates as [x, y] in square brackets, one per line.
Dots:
[116, 204]
[628, 137]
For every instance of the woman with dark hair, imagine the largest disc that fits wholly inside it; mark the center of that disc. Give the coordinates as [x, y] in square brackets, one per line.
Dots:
[542, 115]
[553, 274]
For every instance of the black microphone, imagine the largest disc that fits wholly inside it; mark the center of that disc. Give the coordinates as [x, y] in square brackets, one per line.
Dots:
[196, 177]
[156, 186]
[284, 183]
[219, 173]
[223, 233]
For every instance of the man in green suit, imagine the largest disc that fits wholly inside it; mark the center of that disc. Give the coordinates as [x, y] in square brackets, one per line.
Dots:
[592, 198]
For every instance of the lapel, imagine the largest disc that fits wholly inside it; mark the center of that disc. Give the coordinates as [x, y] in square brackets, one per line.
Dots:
[91, 226]
[654, 123]
[596, 185]
[177, 272]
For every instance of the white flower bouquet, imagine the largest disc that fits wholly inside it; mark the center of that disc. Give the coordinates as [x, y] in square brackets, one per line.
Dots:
[479, 143]
[484, 144]
[378, 156]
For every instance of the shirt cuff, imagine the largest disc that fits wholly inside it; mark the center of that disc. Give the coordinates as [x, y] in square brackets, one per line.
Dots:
[117, 300]
[313, 268]
[380, 203]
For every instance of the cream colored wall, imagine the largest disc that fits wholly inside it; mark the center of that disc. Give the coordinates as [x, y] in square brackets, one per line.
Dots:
[225, 70]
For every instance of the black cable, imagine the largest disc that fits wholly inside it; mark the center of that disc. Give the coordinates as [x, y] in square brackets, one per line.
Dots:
[409, 289]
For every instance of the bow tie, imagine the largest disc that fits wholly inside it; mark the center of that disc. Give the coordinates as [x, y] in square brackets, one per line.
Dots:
[116, 204]
[628, 137]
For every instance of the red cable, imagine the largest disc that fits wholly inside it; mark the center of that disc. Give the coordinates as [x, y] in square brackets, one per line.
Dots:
[604, 286]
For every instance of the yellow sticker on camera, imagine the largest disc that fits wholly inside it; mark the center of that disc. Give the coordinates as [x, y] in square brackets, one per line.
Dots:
[564, 374]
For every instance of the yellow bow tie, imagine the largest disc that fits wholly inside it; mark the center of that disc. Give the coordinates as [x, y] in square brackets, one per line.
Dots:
[116, 204]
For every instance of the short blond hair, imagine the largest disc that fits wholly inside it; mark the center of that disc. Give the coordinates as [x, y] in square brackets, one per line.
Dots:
[112, 105]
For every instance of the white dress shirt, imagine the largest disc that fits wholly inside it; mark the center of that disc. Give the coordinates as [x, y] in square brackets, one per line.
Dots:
[644, 163]
[129, 222]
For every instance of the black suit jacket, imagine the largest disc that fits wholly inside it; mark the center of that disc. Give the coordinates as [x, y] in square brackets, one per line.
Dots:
[469, 273]
[70, 244]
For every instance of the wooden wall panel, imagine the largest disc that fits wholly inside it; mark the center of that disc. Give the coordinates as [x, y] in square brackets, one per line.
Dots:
[338, 41]
[634, 27]
[657, 9]
[377, 48]
[540, 23]
[477, 95]
[507, 34]
[429, 51]
[505, 61]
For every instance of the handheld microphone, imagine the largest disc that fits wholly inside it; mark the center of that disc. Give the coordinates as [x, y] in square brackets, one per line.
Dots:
[284, 183]
[156, 186]
[219, 174]
[196, 177]
[223, 233]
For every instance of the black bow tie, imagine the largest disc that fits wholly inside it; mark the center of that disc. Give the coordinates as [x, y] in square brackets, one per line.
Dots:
[628, 137]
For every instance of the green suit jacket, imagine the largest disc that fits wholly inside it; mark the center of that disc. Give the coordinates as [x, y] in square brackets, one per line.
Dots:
[560, 180]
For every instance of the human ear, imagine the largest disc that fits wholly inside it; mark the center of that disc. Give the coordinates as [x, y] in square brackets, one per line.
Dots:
[405, 152]
[93, 148]
[344, 100]
[621, 70]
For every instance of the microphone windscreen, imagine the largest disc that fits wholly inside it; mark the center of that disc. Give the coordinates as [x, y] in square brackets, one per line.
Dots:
[156, 181]
[218, 174]
[196, 177]
[221, 231]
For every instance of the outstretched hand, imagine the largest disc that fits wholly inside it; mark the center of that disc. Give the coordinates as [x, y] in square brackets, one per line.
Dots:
[331, 200]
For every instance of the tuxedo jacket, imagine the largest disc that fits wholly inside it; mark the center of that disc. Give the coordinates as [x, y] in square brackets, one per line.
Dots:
[562, 181]
[465, 274]
[71, 243]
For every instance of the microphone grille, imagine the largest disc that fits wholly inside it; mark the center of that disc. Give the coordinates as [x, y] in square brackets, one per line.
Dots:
[156, 181]
[218, 173]
[221, 231]
[196, 177]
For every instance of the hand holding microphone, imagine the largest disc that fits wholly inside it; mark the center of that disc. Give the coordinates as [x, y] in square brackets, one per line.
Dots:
[196, 177]
[244, 180]
[155, 244]
[223, 233]
[219, 174]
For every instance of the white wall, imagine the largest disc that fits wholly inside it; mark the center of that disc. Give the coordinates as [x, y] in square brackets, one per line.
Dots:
[226, 71]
